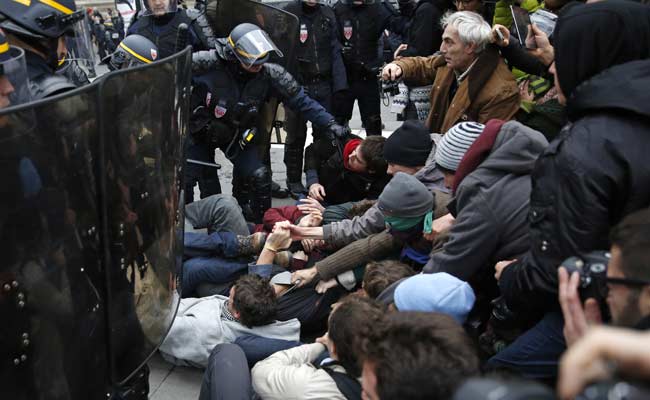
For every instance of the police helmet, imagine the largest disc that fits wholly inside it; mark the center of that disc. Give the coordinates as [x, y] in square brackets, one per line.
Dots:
[39, 19]
[132, 51]
[251, 45]
[13, 75]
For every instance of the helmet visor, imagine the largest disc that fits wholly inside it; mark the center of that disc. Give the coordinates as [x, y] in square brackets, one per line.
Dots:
[14, 87]
[79, 47]
[254, 48]
[158, 8]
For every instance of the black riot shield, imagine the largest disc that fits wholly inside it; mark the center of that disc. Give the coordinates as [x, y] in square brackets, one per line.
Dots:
[280, 25]
[91, 231]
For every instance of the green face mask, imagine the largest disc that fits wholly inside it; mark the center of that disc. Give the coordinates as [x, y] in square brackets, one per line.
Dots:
[403, 224]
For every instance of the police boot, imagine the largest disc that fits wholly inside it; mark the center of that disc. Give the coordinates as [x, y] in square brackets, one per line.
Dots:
[293, 161]
[241, 190]
[278, 191]
[373, 125]
[261, 193]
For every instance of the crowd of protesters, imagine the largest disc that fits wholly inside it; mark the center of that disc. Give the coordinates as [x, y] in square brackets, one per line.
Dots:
[456, 259]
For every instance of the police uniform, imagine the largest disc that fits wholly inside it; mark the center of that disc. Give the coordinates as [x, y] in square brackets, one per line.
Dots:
[360, 28]
[320, 70]
[163, 31]
[226, 102]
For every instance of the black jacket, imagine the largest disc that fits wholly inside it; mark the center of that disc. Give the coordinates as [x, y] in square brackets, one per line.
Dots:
[425, 32]
[323, 164]
[593, 174]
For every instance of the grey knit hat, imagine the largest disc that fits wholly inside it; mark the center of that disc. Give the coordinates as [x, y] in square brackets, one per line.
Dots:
[455, 143]
[405, 197]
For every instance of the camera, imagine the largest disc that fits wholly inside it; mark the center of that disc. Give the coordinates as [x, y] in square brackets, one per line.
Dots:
[592, 268]
[390, 88]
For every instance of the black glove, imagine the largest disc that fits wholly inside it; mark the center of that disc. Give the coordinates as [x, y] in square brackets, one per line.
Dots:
[336, 131]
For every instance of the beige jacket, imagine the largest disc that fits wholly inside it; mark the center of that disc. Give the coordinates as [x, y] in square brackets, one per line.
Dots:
[289, 374]
[488, 92]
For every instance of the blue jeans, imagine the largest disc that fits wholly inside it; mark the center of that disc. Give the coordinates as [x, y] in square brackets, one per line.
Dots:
[214, 244]
[227, 376]
[536, 353]
[210, 270]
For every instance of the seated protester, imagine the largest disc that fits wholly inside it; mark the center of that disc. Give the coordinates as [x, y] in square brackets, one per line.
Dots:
[409, 149]
[407, 208]
[291, 374]
[381, 274]
[203, 323]
[470, 80]
[439, 293]
[488, 169]
[416, 355]
[354, 171]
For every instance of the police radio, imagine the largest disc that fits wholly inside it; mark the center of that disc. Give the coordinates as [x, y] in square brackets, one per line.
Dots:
[247, 137]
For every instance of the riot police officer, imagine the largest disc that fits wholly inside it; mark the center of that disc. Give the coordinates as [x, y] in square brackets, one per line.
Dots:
[134, 50]
[226, 104]
[361, 24]
[320, 70]
[13, 75]
[159, 22]
[38, 28]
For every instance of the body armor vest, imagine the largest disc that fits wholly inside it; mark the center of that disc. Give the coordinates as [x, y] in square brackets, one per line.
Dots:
[314, 50]
[360, 28]
[166, 39]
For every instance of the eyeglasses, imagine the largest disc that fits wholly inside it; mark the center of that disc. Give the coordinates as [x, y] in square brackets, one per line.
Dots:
[464, 2]
[627, 281]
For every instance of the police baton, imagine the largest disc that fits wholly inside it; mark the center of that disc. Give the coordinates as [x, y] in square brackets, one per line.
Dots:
[182, 37]
[205, 164]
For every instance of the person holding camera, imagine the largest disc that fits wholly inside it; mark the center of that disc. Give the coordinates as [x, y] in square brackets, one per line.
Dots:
[625, 290]
[470, 80]
[591, 176]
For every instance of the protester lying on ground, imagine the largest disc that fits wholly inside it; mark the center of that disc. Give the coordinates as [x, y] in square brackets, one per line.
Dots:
[604, 354]
[407, 206]
[203, 323]
[292, 373]
[470, 80]
[416, 355]
[585, 165]
[213, 260]
[351, 171]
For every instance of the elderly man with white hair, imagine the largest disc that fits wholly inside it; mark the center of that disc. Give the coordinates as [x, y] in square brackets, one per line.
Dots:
[470, 80]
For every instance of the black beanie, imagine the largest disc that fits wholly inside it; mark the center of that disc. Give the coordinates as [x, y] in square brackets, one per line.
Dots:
[410, 145]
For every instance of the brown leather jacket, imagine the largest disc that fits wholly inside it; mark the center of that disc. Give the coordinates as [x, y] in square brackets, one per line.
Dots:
[489, 91]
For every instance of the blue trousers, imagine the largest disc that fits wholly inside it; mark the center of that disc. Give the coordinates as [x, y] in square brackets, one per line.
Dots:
[211, 258]
[227, 376]
[536, 353]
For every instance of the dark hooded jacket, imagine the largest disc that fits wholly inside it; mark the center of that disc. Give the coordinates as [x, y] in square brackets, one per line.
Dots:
[424, 34]
[596, 171]
[491, 208]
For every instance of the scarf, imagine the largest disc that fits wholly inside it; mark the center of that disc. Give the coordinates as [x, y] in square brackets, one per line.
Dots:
[348, 149]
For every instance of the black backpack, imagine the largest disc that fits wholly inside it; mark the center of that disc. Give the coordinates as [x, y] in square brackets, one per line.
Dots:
[348, 385]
